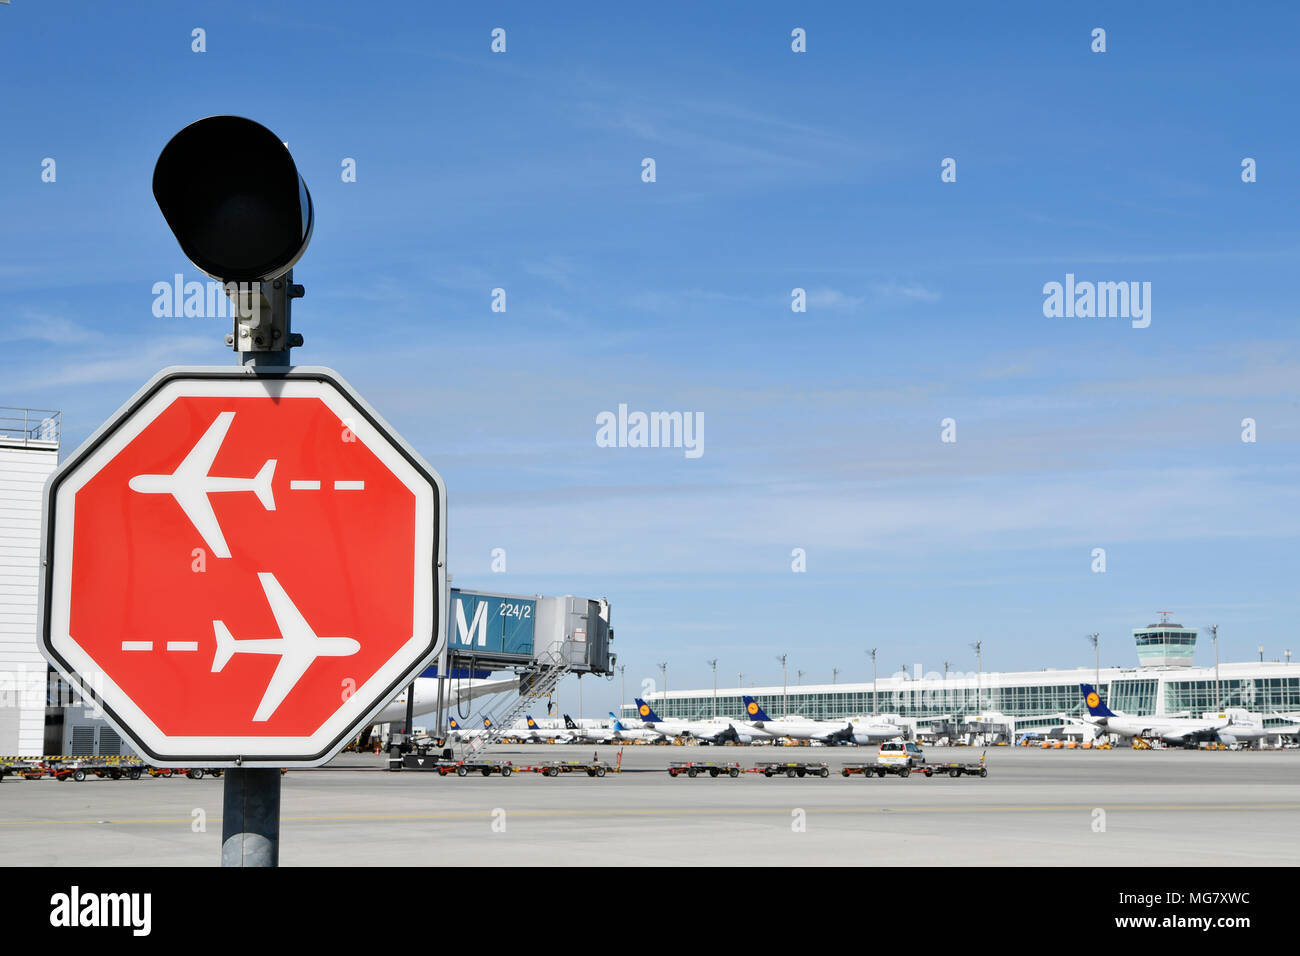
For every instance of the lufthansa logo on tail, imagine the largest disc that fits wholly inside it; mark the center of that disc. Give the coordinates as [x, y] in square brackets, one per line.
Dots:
[752, 708]
[645, 711]
[1093, 699]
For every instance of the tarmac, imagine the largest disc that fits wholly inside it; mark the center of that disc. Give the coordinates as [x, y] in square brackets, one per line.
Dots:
[1036, 807]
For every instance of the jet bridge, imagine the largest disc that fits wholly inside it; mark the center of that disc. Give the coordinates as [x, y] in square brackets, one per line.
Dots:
[492, 632]
[542, 639]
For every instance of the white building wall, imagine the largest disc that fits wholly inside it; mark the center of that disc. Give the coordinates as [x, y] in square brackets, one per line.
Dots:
[24, 466]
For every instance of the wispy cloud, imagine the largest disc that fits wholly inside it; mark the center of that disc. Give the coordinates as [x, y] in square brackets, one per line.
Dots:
[37, 326]
[133, 364]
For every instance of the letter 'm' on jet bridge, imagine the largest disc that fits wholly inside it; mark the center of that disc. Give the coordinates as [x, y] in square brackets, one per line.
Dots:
[192, 482]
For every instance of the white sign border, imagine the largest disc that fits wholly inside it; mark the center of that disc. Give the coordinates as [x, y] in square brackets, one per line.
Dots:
[430, 585]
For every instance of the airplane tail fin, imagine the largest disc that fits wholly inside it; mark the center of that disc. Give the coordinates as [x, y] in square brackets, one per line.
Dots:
[1096, 706]
[647, 714]
[225, 646]
[453, 725]
[529, 722]
[569, 724]
[618, 724]
[753, 711]
[262, 485]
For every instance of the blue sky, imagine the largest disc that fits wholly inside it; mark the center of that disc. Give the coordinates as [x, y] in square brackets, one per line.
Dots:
[775, 170]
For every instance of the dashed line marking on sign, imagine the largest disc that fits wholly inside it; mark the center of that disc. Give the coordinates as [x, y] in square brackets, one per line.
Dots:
[137, 645]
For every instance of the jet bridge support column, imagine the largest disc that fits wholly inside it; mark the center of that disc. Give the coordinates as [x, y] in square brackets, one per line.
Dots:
[441, 729]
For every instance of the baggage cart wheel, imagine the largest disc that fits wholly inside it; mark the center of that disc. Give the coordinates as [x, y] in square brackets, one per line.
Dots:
[133, 774]
[734, 771]
[591, 773]
[767, 773]
[713, 771]
[791, 774]
[880, 774]
[691, 773]
[461, 771]
[800, 772]
[824, 773]
[928, 773]
[600, 771]
[487, 772]
[984, 772]
[672, 772]
[844, 772]
[954, 772]
[507, 771]
[78, 775]
[904, 772]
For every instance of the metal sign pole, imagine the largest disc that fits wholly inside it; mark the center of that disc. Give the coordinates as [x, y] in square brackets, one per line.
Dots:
[250, 816]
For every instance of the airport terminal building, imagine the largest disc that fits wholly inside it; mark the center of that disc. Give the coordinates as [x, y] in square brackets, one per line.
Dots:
[29, 453]
[1163, 682]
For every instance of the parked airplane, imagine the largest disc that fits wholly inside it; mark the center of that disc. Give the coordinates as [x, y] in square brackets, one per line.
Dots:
[870, 730]
[590, 735]
[456, 732]
[714, 731]
[191, 484]
[799, 728]
[531, 731]
[1243, 726]
[534, 732]
[1184, 731]
[426, 696]
[297, 645]
[631, 733]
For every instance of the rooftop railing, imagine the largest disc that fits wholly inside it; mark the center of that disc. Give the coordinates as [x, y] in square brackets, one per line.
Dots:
[39, 427]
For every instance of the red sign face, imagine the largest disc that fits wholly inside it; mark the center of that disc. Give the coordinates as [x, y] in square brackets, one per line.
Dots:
[243, 568]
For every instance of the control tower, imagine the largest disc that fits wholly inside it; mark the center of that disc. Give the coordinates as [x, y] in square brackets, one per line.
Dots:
[1165, 644]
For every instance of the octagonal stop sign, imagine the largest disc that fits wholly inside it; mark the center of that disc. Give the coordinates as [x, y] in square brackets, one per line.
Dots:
[242, 568]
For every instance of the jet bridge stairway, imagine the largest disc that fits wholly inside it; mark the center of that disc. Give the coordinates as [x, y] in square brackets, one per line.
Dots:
[536, 682]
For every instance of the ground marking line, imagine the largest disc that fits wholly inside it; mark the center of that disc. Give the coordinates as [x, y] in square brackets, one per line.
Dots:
[478, 815]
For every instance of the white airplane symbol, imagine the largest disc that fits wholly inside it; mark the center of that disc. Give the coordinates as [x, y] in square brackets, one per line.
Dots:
[191, 484]
[298, 646]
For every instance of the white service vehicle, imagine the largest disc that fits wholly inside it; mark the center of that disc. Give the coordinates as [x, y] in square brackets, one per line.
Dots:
[900, 753]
